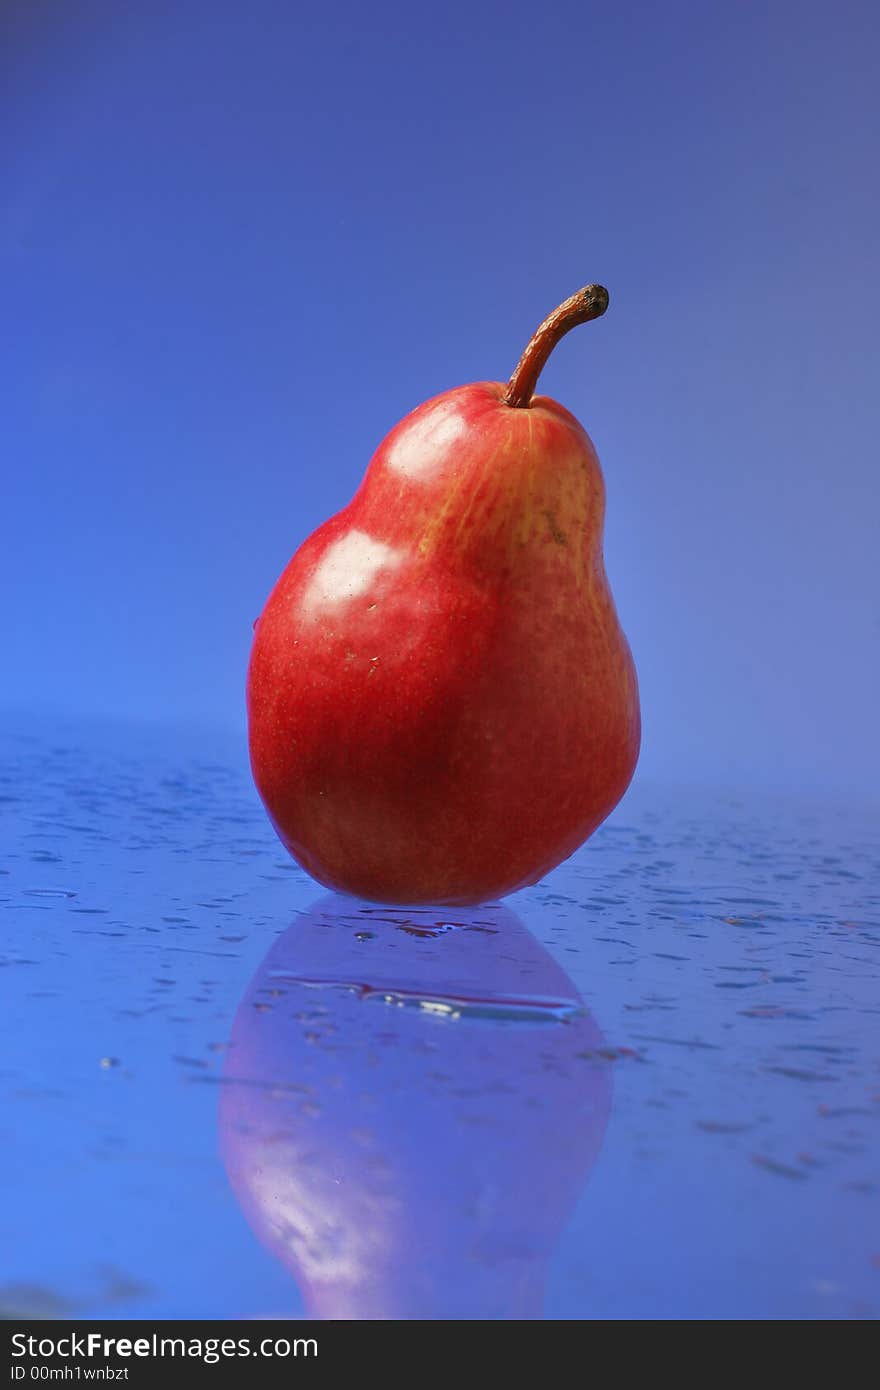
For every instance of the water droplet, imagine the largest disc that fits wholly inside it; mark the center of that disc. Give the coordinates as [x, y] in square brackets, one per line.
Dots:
[513, 1008]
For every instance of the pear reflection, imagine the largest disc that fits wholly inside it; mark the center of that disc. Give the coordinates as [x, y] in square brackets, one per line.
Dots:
[412, 1101]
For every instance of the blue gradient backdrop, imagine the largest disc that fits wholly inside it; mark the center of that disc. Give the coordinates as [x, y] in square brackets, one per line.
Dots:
[240, 241]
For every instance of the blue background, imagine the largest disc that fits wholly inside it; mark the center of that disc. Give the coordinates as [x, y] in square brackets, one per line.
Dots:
[239, 242]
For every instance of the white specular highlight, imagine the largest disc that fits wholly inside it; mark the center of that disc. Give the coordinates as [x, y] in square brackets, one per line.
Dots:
[348, 568]
[425, 441]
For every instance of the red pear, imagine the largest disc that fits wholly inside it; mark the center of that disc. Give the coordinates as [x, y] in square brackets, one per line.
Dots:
[442, 703]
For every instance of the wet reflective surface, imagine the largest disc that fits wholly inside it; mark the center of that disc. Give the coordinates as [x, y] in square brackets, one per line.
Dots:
[648, 1087]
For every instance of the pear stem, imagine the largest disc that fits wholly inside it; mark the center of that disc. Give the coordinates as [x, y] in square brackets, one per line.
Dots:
[589, 303]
